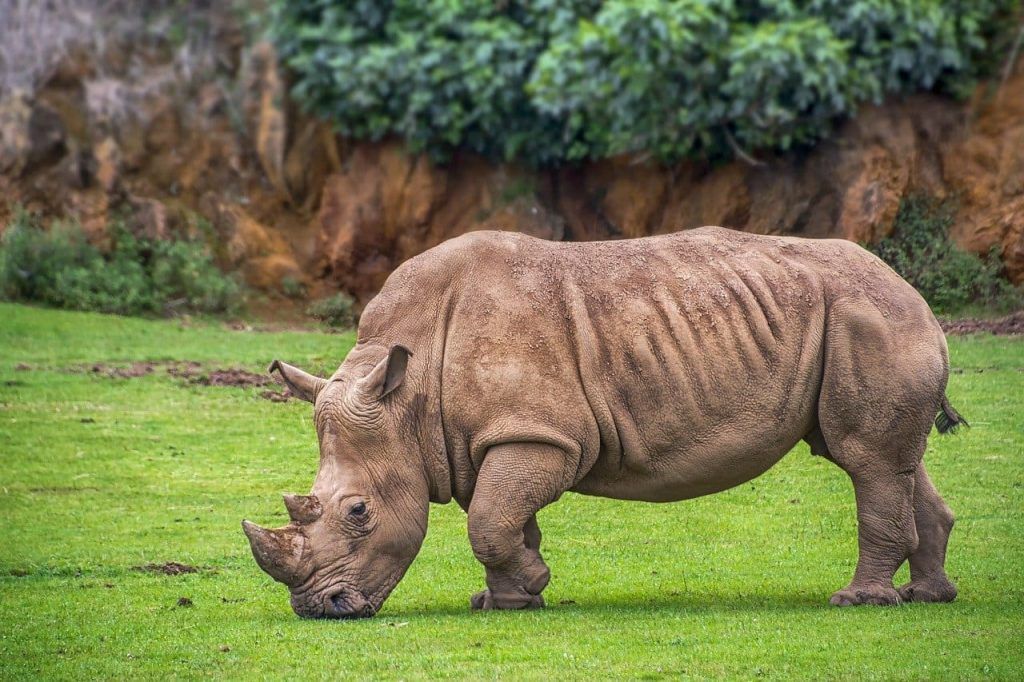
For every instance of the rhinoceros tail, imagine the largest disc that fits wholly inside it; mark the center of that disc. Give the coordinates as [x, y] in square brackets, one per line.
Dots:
[949, 420]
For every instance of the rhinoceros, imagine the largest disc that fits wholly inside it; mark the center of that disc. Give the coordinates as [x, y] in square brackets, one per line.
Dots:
[501, 371]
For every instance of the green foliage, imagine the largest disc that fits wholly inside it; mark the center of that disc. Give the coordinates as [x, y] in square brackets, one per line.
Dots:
[292, 287]
[949, 278]
[59, 267]
[608, 78]
[336, 310]
[552, 81]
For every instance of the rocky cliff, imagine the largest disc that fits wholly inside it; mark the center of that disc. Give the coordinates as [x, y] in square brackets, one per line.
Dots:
[171, 142]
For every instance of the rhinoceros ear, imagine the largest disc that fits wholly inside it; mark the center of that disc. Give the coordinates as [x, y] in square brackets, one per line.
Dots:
[387, 375]
[302, 384]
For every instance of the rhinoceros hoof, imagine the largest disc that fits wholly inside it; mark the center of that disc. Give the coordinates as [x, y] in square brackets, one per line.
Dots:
[928, 591]
[875, 595]
[487, 600]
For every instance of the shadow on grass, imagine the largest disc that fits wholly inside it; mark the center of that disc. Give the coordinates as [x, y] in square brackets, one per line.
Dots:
[683, 604]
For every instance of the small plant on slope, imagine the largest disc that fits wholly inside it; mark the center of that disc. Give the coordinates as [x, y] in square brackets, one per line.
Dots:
[951, 279]
[59, 267]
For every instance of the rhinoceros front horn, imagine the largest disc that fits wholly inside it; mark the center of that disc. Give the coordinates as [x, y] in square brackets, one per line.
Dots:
[277, 551]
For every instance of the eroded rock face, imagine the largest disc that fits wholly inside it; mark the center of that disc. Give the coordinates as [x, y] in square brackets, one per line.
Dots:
[386, 206]
[265, 95]
[31, 134]
[985, 167]
[131, 132]
[848, 187]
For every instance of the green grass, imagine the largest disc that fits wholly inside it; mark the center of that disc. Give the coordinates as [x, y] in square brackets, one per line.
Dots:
[100, 475]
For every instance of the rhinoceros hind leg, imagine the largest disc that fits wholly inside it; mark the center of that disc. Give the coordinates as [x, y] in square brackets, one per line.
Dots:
[882, 384]
[515, 481]
[886, 536]
[934, 520]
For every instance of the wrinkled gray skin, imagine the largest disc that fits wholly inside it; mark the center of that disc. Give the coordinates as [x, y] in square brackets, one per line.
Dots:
[502, 370]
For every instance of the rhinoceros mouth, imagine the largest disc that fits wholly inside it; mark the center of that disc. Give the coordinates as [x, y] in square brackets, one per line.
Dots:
[342, 604]
[339, 600]
[347, 605]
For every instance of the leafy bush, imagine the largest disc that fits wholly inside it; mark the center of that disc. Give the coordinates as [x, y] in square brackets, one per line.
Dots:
[949, 278]
[336, 311]
[59, 267]
[292, 287]
[549, 81]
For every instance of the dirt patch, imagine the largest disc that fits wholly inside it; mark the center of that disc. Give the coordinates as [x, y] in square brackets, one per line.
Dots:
[191, 373]
[236, 377]
[233, 376]
[128, 369]
[169, 568]
[282, 396]
[1003, 326]
[132, 371]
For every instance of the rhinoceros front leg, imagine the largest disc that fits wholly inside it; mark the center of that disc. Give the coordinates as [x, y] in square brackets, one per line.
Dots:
[514, 483]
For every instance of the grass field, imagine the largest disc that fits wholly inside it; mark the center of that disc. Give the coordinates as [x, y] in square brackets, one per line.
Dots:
[101, 475]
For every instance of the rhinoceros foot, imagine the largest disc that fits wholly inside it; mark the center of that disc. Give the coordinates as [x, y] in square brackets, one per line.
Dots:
[936, 590]
[486, 600]
[874, 595]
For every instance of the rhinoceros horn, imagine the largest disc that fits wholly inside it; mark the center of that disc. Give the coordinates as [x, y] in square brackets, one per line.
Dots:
[278, 551]
[303, 508]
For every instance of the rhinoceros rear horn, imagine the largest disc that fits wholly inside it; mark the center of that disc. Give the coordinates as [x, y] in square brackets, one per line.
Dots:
[277, 551]
[303, 508]
[302, 384]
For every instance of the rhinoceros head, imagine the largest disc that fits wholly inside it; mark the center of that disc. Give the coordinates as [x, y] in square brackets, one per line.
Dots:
[351, 540]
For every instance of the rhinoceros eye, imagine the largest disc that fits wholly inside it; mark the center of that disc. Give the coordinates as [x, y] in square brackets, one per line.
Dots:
[358, 509]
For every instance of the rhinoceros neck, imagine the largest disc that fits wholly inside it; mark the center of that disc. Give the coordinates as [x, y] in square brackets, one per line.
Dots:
[419, 326]
[422, 408]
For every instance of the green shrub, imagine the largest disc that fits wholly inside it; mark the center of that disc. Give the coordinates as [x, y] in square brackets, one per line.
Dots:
[59, 267]
[292, 287]
[550, 81]
[336, 310]
[949, 278]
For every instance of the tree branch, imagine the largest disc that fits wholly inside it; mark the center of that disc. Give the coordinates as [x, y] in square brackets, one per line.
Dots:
[740, 154]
